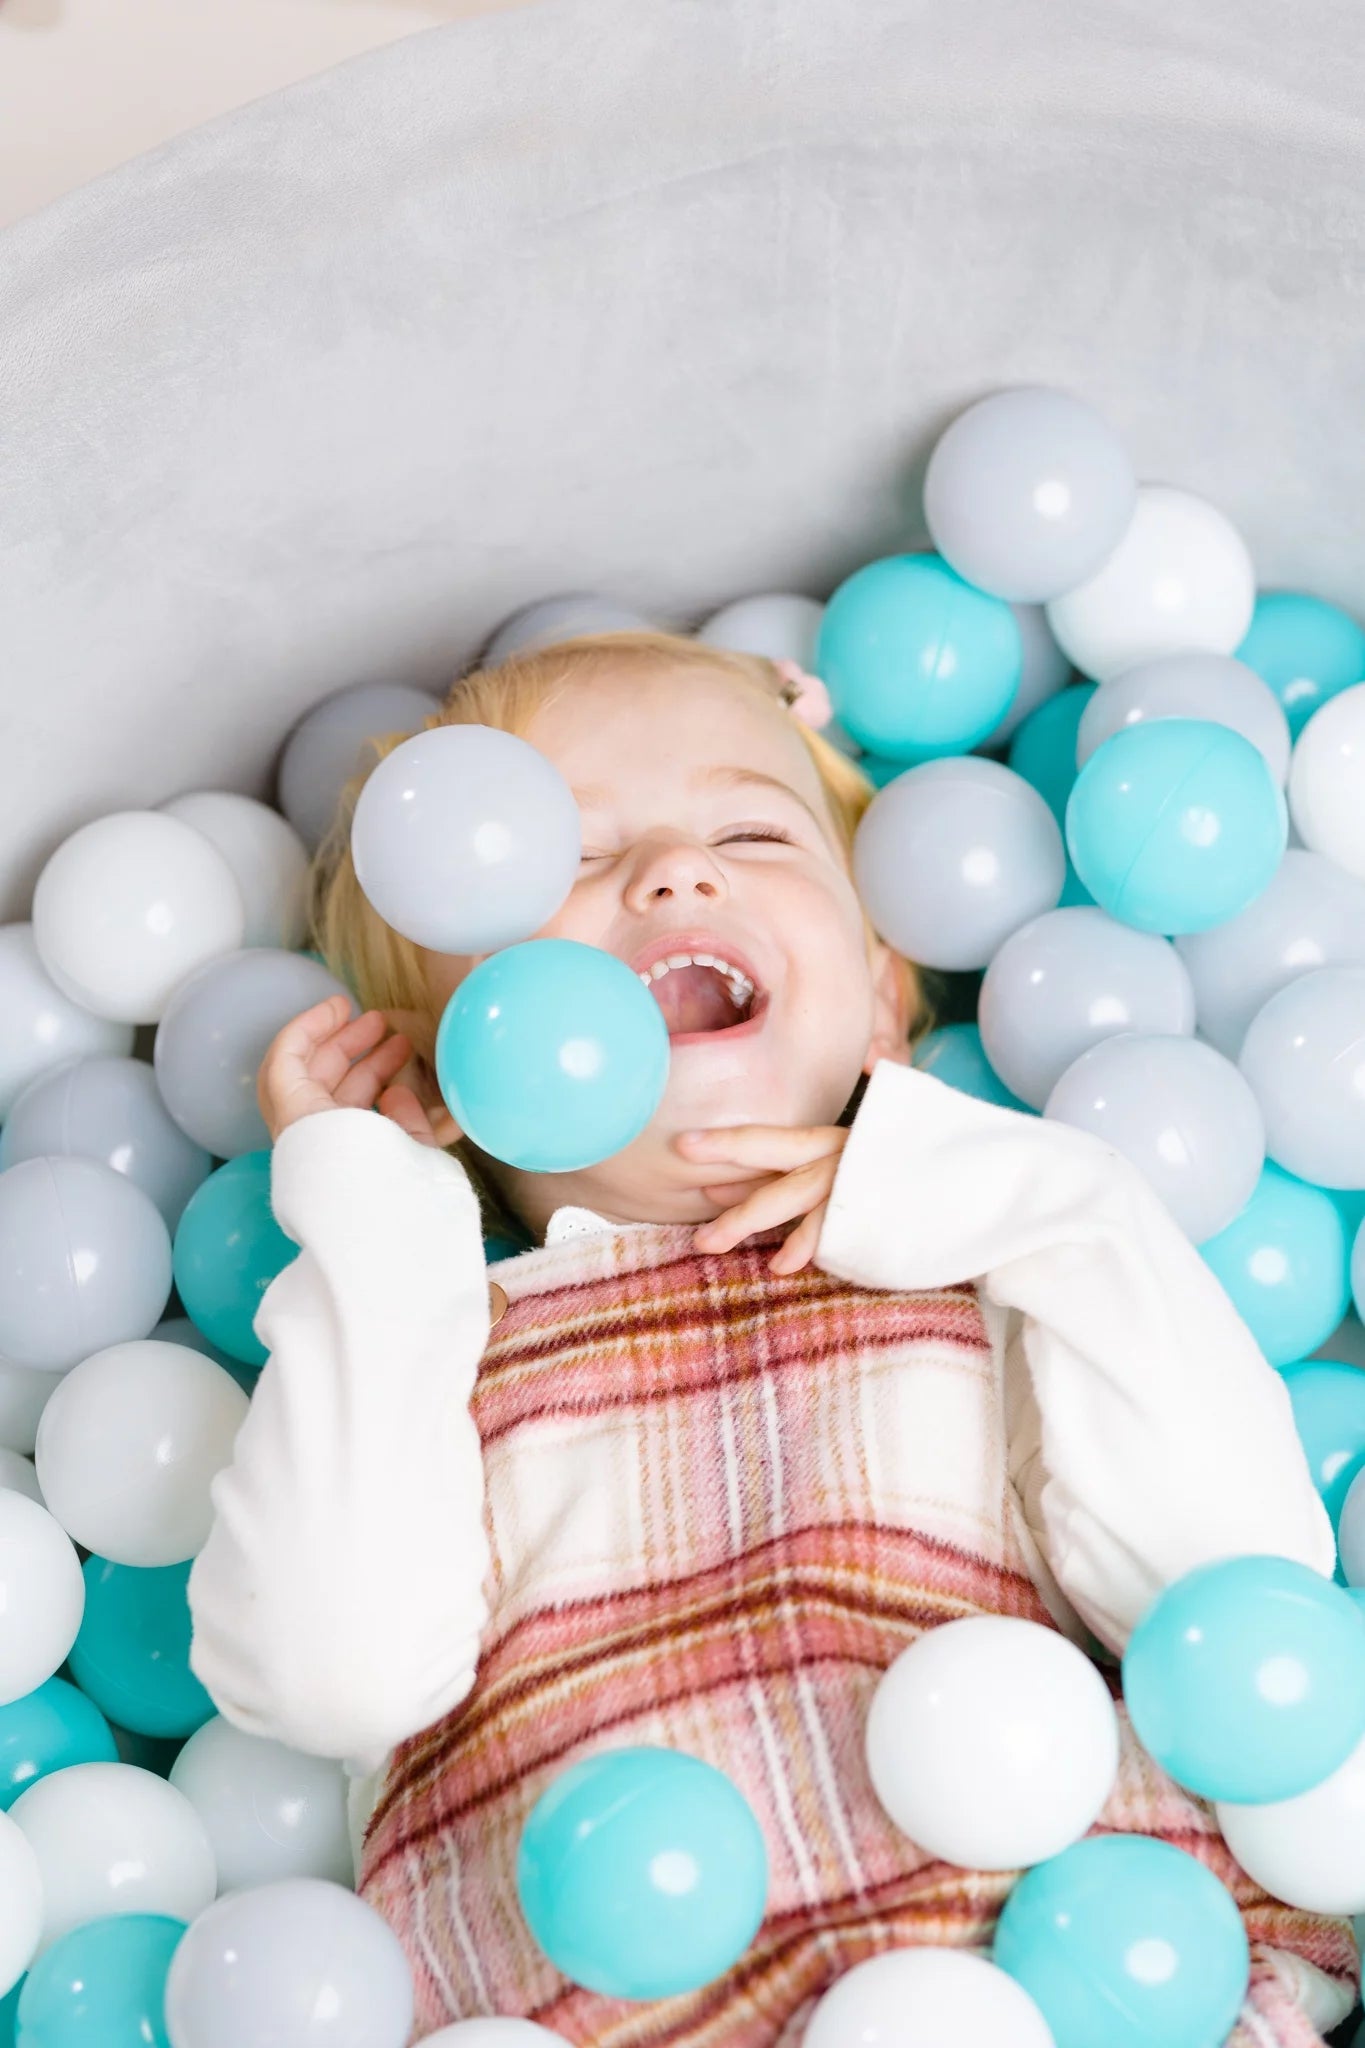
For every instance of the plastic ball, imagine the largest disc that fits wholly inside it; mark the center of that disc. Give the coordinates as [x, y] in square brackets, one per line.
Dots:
[1129, 1942]
[1327, 781]
[1328, 1399]
[494, 2033]
[642, 1873]
[954, 1055]
[1351, 1540]
[1180, 1112]
[778, 625]
[266, 855]
[132, 1653]
[1211, 687]
[102, 1985]
[1311, 915]
[128, 906]
[331, 744]
[180, 1330]
[128, 1447]
[1308, 1851]
[84, 1262]
[1358, 1271]
[18, 1473]
[1067, 980]
[551, 620]
[1044, 671]
[215, 1032]
[950, 1722]
[552, 1055]
[918, 664]
[1027, 493]
[952, 857]
[1043, 750]
[1179, 578]
[41, 1595]
[40, 1028]
[49, 1729]
[1176, 825]
[1304, 1055]
[21, 1903]
[466, 839]
[108, 1109]
[1305, 649]
[926, 1998]
[23, 1397]
[270, 1812]
[114, 1839]
[228, 1249]
[1245, 1679]
[1282, 1263]
[301, 1963]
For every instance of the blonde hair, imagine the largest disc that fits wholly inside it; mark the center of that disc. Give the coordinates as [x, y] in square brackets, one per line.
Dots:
[386, 971]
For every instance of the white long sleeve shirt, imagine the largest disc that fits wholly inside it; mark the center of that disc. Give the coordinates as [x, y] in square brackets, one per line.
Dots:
[338, 1603]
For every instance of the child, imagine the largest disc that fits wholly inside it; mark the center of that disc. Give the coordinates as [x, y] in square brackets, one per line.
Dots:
[778, 1387]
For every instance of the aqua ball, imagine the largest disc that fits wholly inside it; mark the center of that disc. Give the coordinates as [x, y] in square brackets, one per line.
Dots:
[1328, 1399]
[103, 1985]
[1245, 1679]
[1176, 825]
[1306, 649]
[552, 1055]
[132, 1654]
[228, 1249]
[1043, 750]
[1129, 1942]
[48, 1730]
[917, 662]
[642, 1873]
[1283, 1264]
[954, 1054]
[9, 2014]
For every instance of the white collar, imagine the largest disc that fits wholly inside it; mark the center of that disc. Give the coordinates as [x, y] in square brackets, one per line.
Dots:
[573, 1222]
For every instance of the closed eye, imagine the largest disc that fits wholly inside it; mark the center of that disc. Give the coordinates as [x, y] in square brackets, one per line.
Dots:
[771, 832]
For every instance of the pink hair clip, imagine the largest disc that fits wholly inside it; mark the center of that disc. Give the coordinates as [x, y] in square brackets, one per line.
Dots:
[804, 695]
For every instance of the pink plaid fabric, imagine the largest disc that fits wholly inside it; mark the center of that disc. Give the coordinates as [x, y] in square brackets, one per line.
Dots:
[720, 1503]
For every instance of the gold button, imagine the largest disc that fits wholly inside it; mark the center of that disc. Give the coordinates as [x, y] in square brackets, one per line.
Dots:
[497, 1302]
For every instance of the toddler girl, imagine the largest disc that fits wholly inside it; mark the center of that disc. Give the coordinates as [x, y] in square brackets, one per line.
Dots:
[829, 1354]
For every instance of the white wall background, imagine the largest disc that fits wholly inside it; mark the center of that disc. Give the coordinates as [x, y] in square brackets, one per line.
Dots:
[86, 84]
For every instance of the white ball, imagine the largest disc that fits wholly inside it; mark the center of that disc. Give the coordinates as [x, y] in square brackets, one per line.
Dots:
[266, 855]
[128, 906]
[42, 1596]
[1180, 578]
[927, 1998]
[494, 2034]
[992, 1742]
[1327, 781]
[113, 1838]
[1214, 687]
[23, 1397]
[18, 1474]
[1308, 1851]
[40, 1027]
[21, 1903]
[778, 624]
[551, 620]
[269, 1811]
[128, 1447]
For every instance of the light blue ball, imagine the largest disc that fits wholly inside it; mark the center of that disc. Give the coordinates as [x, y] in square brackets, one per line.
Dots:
[1043, 751]
[103, 1985]
[9, 2014]
[49, 1730]
[918, 663]
[642, 1873]
[1328, 1399]
[1176, 825]
[1245, 1679]
[228, 1249]
[552, 1055]
[1358, 1273]
[954, 1054]
[1126, 1942]
[1282, 1262]
[132, 1653]
[1306, 649]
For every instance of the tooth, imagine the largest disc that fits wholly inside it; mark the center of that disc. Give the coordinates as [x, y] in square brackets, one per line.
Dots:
[678, 960]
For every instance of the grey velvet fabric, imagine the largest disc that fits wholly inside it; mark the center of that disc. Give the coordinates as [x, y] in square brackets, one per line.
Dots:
[663, 297]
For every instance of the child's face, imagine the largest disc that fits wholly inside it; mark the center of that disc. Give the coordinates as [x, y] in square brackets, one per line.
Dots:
[703, 817]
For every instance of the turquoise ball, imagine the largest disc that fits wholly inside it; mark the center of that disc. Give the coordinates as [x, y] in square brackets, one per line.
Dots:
[1284, 1264]
[954, 1054]
[1306, 649]
[103, 1985]
[228, 1248]
[132, 1652]
[48, 1730]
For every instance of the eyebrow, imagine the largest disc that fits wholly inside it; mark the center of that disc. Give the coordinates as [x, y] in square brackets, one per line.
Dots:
[597, 797]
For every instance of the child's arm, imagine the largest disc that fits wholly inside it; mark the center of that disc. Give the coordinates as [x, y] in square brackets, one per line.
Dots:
[1166, 1437]
[338, 1603]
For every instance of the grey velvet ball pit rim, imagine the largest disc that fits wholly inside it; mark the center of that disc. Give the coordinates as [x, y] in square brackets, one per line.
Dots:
[662, 298]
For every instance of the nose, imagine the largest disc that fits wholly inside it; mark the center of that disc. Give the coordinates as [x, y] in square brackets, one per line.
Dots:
[671, 865]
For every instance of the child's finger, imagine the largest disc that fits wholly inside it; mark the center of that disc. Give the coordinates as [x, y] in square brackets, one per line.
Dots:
[360, 1086]
[798, 1249]
[330, 1060]
[303, 1034]
[401, 1107]
[777, 1202]
[774, 1147]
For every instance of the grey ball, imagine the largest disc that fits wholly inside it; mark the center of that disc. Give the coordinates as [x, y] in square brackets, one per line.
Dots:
[328, 746]
[85, 1262]
[109, 1109]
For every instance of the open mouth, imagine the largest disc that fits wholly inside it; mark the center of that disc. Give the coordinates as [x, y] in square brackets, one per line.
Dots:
[703, 996]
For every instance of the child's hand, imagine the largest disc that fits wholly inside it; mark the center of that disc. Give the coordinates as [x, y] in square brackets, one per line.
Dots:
[324, 1059]
[795, 1172]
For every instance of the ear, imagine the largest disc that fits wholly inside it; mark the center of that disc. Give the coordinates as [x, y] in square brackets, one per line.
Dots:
[895, 998]
[419, 1072]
